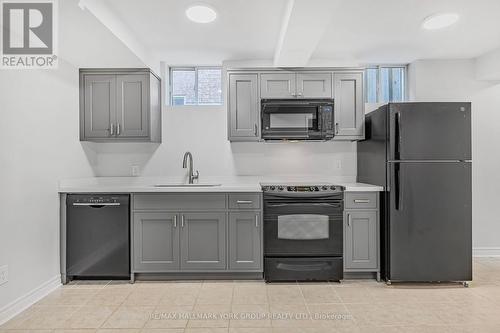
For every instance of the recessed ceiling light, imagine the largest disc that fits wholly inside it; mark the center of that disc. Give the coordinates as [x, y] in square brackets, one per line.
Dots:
[439, 21]
[201, 14]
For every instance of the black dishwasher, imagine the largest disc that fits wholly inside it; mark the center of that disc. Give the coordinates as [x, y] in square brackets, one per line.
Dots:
[97, 236]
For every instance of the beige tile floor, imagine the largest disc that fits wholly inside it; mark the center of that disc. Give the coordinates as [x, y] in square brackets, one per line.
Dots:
[253, 306]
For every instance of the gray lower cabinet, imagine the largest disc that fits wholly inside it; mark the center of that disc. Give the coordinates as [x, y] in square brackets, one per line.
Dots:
[361, 233]
[155, 242]
[197, 232]
[243, 107]
[349, 106]
[203, 241]
[245, 241]
[120, 105]
[361, 241]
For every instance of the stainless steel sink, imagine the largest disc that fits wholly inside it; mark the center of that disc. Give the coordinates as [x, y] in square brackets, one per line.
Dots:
[187, 185]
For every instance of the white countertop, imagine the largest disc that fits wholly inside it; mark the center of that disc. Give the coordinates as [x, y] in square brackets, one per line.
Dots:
[227, 184]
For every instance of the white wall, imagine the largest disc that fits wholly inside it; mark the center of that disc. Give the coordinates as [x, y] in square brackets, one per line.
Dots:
[202, 130]
[39, 145]
[455, 80]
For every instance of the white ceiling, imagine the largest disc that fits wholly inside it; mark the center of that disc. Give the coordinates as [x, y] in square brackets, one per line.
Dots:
[361, 31]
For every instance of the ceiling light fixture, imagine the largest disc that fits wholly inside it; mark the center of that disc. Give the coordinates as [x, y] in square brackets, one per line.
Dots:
[439, 21]
[201, 13]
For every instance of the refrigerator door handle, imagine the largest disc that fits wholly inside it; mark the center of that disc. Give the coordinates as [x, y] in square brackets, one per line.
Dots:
[397, 140]
[401, 187]
[397, 186]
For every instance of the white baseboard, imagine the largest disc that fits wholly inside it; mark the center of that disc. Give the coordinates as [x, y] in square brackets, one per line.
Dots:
[486, 252]
[22, 303]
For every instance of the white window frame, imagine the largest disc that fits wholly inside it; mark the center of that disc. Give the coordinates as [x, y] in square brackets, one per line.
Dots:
[195, 69]
[379, 81]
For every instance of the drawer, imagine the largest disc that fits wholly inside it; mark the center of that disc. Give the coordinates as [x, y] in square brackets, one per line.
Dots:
[360, 200]
[244, 200]
[179, 201]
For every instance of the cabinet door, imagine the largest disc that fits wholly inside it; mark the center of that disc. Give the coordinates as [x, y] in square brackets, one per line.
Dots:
[360, 246]
[245, 246]
[349, 108]
[132, 105]
[203, 241]
[277, 85]
[243, 107]
[314, 85]
[99, 105]
[156, 242]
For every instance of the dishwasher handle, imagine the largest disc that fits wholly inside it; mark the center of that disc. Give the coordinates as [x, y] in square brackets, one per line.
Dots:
[91, 204]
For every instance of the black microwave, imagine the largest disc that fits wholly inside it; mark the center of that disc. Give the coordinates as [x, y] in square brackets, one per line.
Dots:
[297, 119]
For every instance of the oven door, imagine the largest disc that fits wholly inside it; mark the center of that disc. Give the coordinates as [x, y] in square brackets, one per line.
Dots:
[291, 120]
[303, 228]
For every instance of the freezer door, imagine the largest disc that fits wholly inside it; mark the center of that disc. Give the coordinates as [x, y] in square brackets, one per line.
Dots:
[430, 222]
[430, 131]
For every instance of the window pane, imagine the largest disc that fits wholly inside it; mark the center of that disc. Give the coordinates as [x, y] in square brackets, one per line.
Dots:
[384, 85]
[209, 86]
[371, 85]
[397, 84]
[184, 87]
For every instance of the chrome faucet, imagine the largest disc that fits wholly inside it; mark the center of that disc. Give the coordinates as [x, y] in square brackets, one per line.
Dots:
[191, 174]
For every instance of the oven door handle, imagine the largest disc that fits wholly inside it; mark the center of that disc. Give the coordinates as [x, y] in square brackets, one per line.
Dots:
[299, 195]
[309, 267]
[318, 204]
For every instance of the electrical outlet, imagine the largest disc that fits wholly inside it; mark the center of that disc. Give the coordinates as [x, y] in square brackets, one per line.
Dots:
[4, 274]
[135, 170]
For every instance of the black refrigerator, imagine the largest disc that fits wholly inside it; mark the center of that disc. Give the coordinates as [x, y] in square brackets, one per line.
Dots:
[421, 154]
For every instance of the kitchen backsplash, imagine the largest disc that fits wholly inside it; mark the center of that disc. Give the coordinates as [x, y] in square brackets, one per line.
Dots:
[202, 130]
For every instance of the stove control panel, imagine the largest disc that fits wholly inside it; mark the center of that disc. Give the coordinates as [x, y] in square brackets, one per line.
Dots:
[279, 188]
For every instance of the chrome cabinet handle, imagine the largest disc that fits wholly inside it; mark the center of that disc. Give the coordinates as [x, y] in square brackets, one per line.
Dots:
[118, 129]
[361, 200]
[255, 130]
[175, 221]
[256, 220]
[242, 202]
[336, 128]
[348, 220]
[112, 129]
[182, 221]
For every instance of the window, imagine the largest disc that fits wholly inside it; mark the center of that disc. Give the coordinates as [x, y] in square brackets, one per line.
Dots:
[196, 86]
[385, 84]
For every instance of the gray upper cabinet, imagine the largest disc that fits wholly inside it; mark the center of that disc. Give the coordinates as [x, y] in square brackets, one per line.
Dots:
[243, 107]
[361, 241]
[132, 106]
[203, 241]
[314, 85]
[349, 106]
[120, 105]
[296, 85]
[161, 250]
[277, 85]
[100, 105]
[247, 88]
[245, 241]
